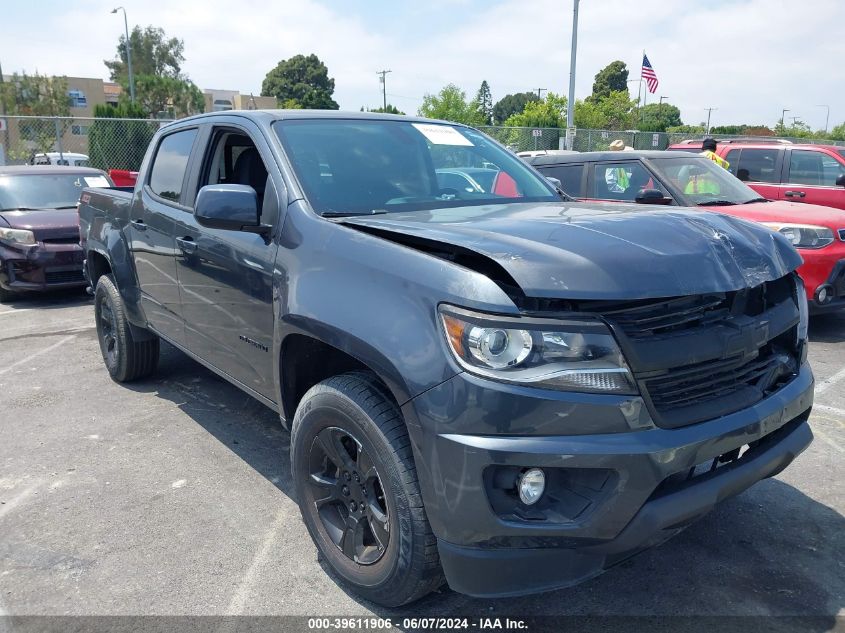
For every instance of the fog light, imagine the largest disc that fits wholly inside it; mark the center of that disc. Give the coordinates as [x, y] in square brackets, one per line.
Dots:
[531, 485]
[824, 293]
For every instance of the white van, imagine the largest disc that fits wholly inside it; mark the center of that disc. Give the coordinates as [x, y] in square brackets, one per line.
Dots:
[64, 158]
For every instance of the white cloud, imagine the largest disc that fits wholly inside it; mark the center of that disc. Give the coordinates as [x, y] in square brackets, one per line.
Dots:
[748, 58]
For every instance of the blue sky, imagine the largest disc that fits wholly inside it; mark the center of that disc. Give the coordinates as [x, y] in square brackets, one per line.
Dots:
[748, 58]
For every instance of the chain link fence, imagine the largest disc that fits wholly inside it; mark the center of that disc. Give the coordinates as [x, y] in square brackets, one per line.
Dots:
[110, 143]
[521, 139]
[105, 143]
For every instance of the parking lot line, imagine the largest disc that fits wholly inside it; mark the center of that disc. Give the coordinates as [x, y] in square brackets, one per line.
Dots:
[37, 354]
[15, 311]
[827, 383]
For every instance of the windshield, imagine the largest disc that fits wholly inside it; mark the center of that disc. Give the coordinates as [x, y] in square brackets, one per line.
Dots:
[45, 191]
[703, 182]
[374, 166]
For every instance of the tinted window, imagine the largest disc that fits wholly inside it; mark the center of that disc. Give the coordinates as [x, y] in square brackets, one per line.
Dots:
[759, 163]
[170, 163]
[622, 181]
[569, 176]
[365, 166]
[733, 159]
[807, 167]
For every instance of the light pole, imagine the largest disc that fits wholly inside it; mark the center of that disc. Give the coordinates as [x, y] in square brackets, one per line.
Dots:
[570, 106]
[783, 117]
[827, 116]
[128, 54]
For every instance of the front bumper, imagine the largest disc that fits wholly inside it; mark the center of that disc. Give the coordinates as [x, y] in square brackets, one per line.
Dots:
[639, 504]
[834, 282]
[45, 266]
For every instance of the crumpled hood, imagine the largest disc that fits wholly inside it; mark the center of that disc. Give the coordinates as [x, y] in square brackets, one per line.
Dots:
[44, 223]
[591, 251]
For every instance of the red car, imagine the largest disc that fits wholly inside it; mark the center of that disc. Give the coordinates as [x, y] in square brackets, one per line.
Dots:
[684, 179]
[777, 170]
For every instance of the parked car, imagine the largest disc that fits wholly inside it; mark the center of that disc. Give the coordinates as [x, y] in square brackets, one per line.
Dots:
[514, 391]
[39, 231]
[808, 174]
[67, 159]
[671, 178]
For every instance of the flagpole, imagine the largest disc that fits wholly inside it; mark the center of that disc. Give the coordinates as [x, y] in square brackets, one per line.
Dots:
[645, 92]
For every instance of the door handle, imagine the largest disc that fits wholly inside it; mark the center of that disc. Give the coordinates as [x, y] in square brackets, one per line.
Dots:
[138, 224]
[794, 194]
[187, 244]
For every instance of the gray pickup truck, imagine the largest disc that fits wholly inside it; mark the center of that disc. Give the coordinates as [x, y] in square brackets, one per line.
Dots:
[486, 384]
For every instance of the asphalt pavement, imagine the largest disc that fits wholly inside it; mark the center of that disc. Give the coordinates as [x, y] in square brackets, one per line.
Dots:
[173, 496]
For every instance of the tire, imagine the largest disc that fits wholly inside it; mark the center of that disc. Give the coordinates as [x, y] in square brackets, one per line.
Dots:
[350, 420]
[125, 358]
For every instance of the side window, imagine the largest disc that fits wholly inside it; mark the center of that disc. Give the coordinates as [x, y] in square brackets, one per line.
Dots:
[807, 167]
[733, 158]
[622, 181]
[170, 164]
[234, 159]
[569, 176]
[759, 165]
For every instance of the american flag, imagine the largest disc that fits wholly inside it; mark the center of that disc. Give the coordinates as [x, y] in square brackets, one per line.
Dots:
[649, 75]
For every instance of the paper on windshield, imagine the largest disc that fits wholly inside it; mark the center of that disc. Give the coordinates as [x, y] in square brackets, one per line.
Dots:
[442, 134]
[96, 181]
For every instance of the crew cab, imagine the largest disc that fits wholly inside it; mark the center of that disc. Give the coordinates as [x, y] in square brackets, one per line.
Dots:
[680, 179]
[803, 173]
[39, 231]
[511, 392]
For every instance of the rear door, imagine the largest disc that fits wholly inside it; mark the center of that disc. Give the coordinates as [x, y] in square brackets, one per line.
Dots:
[226, 277]
[810, 177]
[759, 167]
[620, 181]
[157, 211]
[572, 177]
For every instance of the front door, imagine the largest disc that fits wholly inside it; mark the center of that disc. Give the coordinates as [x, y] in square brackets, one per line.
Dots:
[226, 277]
[156, 211]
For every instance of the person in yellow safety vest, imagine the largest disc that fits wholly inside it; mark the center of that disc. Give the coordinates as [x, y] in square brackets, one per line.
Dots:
[617, 179]
[709, 147]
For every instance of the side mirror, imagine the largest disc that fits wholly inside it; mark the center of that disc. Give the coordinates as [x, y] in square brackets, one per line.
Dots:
[555, 182]
[840, 180]
[228, 207]
[651, 196]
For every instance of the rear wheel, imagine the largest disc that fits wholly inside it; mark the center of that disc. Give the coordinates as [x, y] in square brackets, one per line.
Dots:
[358, 491]
[125, 358]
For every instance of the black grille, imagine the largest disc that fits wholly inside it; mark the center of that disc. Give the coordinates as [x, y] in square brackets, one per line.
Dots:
[668, 315]
[62, 240]
[842, 234]
[723, 379]
[64, 276]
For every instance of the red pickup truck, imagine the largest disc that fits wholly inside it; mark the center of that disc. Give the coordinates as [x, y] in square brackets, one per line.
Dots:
[810, 174]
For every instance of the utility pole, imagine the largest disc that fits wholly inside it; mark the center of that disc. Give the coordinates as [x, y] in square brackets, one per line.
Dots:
[827, 116]
[539, 90]
[661, 100]
[570, 106]
[3, 114]
[709, 111]
[794, 119]
[382, 75]
[128, 54]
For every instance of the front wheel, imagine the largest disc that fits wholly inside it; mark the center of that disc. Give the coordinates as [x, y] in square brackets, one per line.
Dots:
[358, 491]
[125, 358]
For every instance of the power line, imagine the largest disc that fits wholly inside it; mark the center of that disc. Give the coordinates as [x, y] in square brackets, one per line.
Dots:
[382, 78]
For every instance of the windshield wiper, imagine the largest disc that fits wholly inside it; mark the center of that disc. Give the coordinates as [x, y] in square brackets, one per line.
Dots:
[351, 214]
[756, 200]
[716, 203]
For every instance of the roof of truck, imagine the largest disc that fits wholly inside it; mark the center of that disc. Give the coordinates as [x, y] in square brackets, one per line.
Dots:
[589, 157]
[268, 116]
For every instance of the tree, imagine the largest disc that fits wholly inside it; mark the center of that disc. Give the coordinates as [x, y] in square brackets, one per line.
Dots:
[303, 78]
[390, 109]
[160, 86]
[590, 116]
[550, 112]
[114, 142]
[619, 109]
[656, 117]
[611, 78]
[511, 104]
[451, 104]
[837, 133]
[484, 103]
[37, 95]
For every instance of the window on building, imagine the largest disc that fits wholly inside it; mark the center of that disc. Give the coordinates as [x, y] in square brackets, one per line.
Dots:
[77, 99]
[79, 130]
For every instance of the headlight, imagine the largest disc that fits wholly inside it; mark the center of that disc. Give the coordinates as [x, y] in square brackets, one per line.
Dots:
[569, 355]
[804, 235]
[17, 236]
